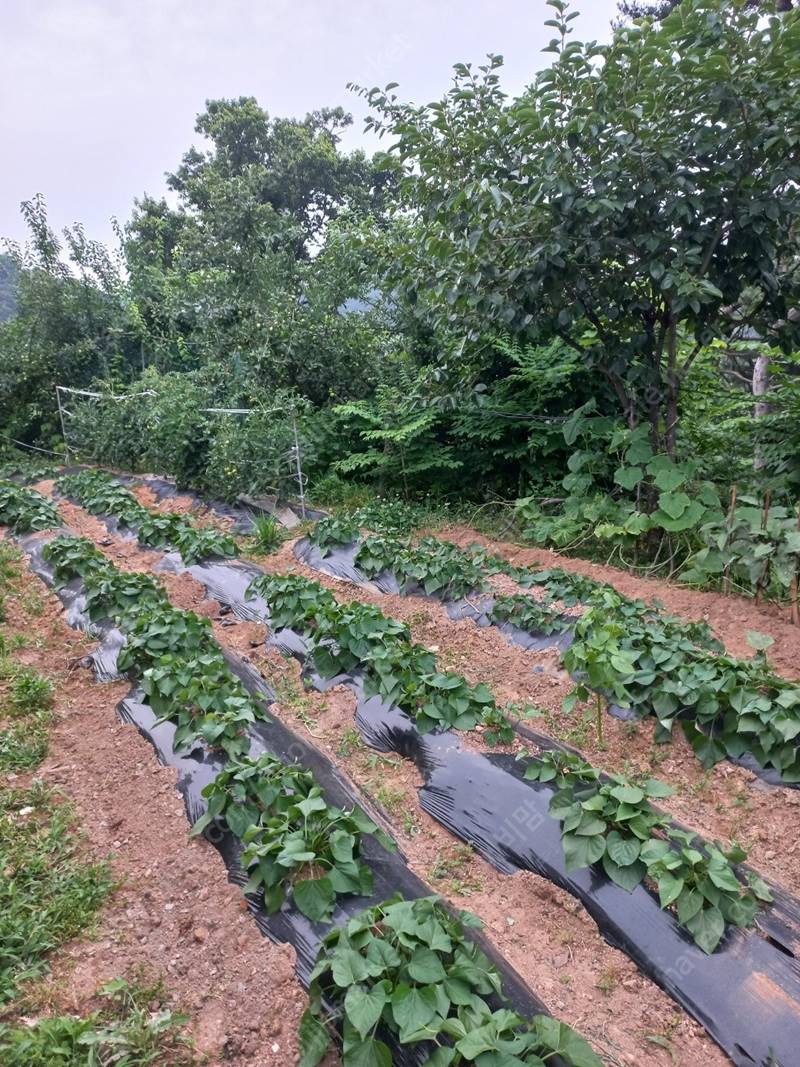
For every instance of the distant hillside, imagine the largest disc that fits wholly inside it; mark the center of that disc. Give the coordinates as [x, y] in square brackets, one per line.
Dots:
[8, 287]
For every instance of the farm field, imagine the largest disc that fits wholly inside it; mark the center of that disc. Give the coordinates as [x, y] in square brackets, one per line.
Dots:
[103, 765]
[400, 535]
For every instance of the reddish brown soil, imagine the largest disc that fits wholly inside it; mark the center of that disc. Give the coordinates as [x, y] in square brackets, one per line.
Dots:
[729, 616]
[146, 497]
[180, 505]
[582, 980]
[175, 913]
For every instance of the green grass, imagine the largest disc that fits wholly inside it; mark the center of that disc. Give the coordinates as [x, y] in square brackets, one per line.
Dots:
[124, 1033]
[23, 745]
[10, 557]
[350, 742]
[267, 535]
[30, 693]
[50, 890]
[24, 736]
[33, 604]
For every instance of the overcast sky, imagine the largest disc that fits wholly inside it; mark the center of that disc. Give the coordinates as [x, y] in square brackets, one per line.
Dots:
[98, 97]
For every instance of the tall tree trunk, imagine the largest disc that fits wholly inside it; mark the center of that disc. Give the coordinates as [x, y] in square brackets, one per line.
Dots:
[673, 390]
[654, 418]
[761, 383]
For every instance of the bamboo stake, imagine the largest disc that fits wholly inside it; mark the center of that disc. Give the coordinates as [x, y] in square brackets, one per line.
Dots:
[726, 574]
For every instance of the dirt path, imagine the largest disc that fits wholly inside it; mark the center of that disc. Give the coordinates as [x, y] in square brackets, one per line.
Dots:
[583, 981]
[174, 912]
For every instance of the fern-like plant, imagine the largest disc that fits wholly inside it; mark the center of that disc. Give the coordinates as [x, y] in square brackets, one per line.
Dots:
[399, 434]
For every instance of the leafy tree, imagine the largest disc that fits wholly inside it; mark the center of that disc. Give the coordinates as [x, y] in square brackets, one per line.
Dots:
[659, 9]
[254, 263]
[71, 324]
[8, 285]
[640, 9]
[509, 432]
[293, 167]
[399, 432]
[636, 201]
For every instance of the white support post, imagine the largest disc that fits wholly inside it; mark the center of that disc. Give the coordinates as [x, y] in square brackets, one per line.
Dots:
[61, 417]
[293, 454]
[298, 466]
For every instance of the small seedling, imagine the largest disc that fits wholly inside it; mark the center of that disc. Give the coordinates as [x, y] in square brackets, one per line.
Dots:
[376, 761]
[391, 799]
[664, 1042]
[454, 863]
[33, 604]
[410, 825]
[760, 643]
[608, 981]
[702, 785]
[350, 742]
[499, 728]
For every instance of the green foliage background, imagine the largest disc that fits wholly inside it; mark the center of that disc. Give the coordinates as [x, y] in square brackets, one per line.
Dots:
[566, 298]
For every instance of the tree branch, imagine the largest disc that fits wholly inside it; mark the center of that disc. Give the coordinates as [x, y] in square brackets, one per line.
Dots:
[569, 341]
[683, 370]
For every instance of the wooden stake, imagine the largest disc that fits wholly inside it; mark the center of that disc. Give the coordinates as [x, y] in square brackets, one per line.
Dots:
[726, 573]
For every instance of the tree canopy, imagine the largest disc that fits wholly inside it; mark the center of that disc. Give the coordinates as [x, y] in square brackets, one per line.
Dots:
[627, 201]
[659, 9]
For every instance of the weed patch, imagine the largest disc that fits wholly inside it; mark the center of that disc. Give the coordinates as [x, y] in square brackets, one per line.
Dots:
[49, 889]
[126, 1032]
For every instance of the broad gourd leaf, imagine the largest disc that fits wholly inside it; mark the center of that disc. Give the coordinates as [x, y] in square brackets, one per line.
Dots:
[760, 642]
[580, 852]
[674, 504]
[639, 452]
[369, 1053]
[628, 794]
[628, 477]
[669, 888]
[627, 877]
[622, 850]
[442, 1057]
[412, 1008]
[562, 1039]
[707, 928]
[669, 478]
[314, 1040]
[637, 523]
[426, 967]
[687, 516]
[348, 967]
